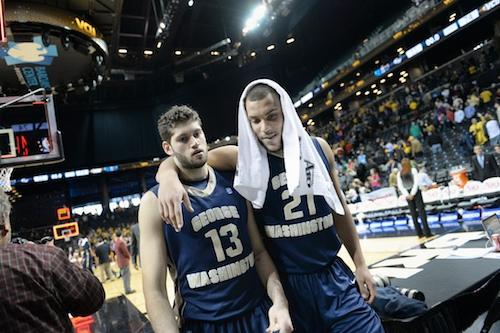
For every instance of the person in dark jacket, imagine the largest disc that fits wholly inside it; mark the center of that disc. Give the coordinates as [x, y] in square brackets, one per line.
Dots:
[40, 286]
[484, 165]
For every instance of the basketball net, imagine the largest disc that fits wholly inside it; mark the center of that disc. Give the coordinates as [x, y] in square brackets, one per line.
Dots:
[5, 179]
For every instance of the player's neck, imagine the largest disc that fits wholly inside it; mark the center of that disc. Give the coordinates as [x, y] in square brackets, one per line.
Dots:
[277, 153]
[193, 175]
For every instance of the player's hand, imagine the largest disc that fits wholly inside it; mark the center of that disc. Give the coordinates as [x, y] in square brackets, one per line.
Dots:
[366, 284]
[171, 195]
[279, 319]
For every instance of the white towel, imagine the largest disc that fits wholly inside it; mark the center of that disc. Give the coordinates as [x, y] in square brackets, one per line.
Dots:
[305, 171]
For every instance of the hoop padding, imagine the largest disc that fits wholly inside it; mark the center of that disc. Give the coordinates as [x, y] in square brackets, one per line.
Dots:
[5, 179]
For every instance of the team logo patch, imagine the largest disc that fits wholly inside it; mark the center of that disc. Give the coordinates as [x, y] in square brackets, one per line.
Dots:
[229, 190]
[309, 173]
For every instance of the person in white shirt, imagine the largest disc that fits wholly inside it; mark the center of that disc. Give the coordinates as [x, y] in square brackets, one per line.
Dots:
[424, 181]
[493, 130]
[408, 185]
[459, 116]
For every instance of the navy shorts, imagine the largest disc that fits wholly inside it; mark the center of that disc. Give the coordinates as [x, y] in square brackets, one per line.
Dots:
[328, 301]
[254, 321]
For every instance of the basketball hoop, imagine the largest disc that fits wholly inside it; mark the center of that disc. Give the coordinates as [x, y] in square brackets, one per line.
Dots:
[5, 179]
[66, 235]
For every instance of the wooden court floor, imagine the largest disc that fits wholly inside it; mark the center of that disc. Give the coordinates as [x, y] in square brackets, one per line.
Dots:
[375, 249]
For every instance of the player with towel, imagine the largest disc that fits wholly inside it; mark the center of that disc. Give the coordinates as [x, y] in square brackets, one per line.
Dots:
[290, 179]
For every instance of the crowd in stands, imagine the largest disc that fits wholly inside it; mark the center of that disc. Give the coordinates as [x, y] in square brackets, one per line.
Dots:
[95, 231]
[369, 142]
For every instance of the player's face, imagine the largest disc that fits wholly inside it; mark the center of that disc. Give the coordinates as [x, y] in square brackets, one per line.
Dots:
[188, 145]
[266, 120]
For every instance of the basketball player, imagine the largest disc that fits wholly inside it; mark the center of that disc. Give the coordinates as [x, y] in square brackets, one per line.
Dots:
[320, 288]
[217, 258]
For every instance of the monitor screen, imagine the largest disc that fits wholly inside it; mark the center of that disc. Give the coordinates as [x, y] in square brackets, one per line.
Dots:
[491, 225]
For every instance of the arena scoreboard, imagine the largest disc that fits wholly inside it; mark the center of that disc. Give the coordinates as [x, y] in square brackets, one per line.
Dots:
[28, 132]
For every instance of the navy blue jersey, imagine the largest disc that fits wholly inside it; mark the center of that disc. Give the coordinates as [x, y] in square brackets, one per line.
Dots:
[212, 254]
[301, 235]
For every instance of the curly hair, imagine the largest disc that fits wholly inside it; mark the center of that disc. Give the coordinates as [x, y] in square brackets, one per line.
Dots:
[177, 114]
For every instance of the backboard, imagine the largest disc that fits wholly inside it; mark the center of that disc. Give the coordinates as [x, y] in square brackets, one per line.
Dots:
[65, 230]
[28, 132]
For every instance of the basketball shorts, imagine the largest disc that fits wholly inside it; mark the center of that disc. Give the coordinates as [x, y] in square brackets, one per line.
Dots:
[328, 301]
[254, 321]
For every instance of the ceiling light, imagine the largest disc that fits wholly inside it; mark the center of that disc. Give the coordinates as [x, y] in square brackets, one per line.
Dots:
[390, 75]
[229, 57]
[122, 51]
[215, 53]
[190, 3]
[358, 74]
[290, 40]
[148, 52]
[253, 54]
[373, 85]
[400, 50]
[402, 72]
[342, 84]
[367, 93]
[158, 45]
[254, 20]
[382, 81]
[178, 52]
[162, 25]
[377, 62]
[270, 47]
[310, 105]
[358, 93]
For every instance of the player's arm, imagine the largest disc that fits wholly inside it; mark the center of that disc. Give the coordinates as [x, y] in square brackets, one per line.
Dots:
[172, 193]
[348, 234]
[279, 316]
[154, 271]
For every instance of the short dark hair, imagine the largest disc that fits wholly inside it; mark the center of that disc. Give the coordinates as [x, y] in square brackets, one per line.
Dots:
[118, 233]
[260, 91]
[177, 114]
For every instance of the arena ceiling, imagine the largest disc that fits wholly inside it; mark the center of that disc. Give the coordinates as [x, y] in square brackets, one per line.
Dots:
[324, 30]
